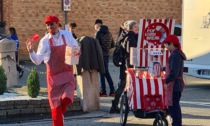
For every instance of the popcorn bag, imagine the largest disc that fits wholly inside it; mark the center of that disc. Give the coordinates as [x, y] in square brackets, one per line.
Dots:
[72, 55]
[157, 69]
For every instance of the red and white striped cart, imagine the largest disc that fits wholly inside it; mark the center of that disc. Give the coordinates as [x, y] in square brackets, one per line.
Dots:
[144, 93]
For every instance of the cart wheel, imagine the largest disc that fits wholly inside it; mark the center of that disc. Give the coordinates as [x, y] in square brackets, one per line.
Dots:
[124, 109]
[160, 122]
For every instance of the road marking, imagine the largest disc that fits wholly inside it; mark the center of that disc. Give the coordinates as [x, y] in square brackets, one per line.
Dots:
[207, 104]
[195, 88]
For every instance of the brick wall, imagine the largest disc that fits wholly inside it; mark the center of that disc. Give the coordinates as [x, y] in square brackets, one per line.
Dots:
[27, 15]
[1, 13]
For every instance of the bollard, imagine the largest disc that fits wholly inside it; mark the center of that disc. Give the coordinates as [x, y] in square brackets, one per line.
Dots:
[7, 60]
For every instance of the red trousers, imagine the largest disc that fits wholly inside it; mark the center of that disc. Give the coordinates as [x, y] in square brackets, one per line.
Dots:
[57, 113]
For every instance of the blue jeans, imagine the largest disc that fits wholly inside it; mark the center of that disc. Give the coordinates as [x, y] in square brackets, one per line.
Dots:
[175, 110]
[107, 76]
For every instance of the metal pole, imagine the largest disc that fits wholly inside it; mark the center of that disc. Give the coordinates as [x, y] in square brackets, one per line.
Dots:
[66, 17]
[66, 21]
[1, 11]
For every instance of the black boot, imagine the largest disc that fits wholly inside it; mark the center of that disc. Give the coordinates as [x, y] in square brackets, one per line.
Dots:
[114, 108]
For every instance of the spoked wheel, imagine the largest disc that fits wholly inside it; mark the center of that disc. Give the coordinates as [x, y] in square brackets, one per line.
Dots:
[160, 121]
[124, 109]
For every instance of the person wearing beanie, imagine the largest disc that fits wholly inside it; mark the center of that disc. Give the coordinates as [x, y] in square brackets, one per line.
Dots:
[60, 79]
[129, 24]
[129, 41]
[121, 33]
[106, 41]
[174, 83]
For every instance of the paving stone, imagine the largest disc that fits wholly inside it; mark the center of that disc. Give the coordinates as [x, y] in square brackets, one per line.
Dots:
[35, 101]
[40, 110]
[13, 112]
[6, 104]
[27, 111]
[44, 105]
[7, 107]
[3, 113]
[48, 110]
[44, 101]
[21, 104]
[33, 106]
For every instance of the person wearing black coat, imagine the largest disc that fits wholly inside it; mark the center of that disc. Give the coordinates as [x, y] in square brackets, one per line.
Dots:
[106, 41]
[174, 83]
[129, 41]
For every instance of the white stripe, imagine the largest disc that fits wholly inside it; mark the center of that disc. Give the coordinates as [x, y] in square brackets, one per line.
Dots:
[145, 88]
[207, 104]
[164, 58]
[132, 101]
[144, 57]
[148, 55]
[160, 86]
[144, 44]
[152, 21]
[146, 25]
[167, 24]
[138, 92]
[159, 57]
[137, 56]
[152, 83]
[131, 89]
[163, 20]
[140, 32]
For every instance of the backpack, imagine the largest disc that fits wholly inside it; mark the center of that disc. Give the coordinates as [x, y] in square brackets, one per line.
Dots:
[119, 53]
[118, 56]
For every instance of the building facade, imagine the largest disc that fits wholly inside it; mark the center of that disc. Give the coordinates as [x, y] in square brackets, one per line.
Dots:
[27, 16]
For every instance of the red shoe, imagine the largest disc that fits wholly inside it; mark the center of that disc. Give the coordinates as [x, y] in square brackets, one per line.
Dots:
[112, 94]
[103, 94]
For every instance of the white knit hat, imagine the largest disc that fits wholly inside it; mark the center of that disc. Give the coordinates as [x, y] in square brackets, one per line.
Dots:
[130, 24]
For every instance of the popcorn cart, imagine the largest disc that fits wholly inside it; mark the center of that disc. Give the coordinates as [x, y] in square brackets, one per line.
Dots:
[144, 94]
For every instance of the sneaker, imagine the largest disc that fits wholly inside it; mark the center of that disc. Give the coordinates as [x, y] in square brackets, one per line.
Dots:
[103, 94]
[21, 74]
[112, 94]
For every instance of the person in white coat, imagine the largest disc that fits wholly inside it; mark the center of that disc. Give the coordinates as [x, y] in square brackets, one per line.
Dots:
[60, 79]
